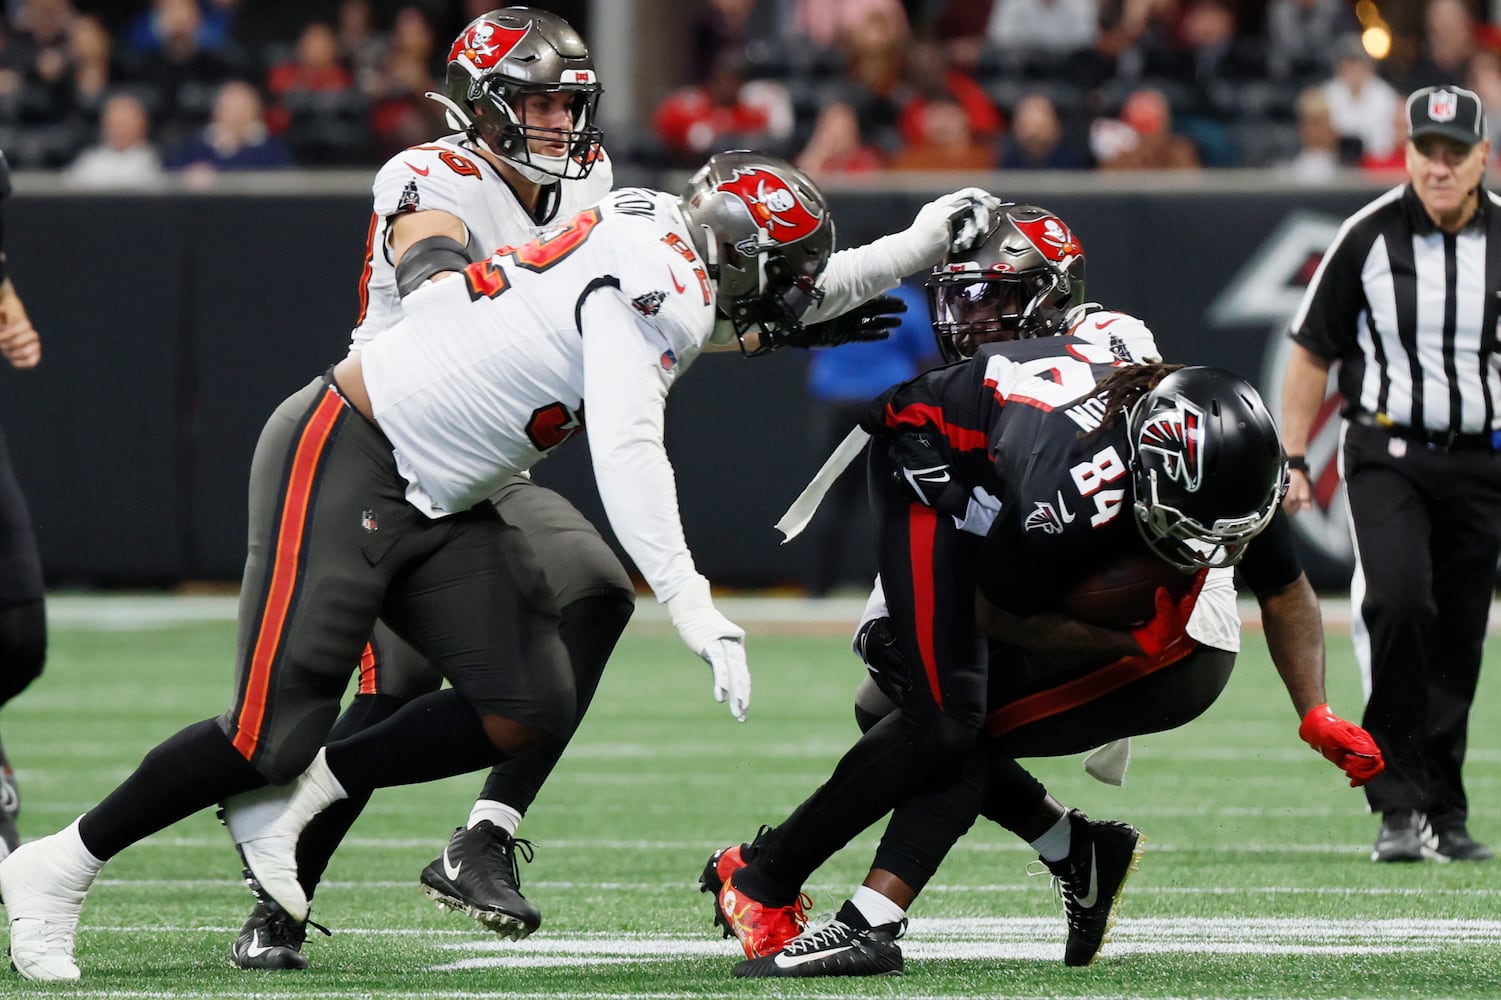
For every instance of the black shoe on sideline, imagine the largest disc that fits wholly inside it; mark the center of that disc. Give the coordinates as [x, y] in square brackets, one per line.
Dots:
[1401, 836]
[1455, 843]
[477, 874]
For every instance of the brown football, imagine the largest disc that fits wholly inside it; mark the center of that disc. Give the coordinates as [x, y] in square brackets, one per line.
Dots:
[1122, 594]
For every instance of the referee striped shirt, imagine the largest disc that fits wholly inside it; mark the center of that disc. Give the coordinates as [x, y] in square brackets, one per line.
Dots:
[1409, 312]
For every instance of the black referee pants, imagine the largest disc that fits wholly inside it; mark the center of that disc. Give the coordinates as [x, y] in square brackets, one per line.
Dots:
[1427, 526]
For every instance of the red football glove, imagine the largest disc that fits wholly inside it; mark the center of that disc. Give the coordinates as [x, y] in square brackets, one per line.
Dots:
[1167, 629]
[1343, 744]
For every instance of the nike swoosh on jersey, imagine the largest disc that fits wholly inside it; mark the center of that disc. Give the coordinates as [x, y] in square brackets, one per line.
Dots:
[782, 961]
[1063, 511]
[256, 949]
[676, 283]
[1093, 896]
[449, 868]
[423, 171]
[1105, 322]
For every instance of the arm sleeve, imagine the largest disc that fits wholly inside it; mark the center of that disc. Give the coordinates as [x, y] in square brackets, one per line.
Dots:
[861, 273]
[625, 397]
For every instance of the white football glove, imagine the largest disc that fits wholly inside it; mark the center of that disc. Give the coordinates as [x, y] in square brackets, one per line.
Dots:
[952, 223]
[719, 641]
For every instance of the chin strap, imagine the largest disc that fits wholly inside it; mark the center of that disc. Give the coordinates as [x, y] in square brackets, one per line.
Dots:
[458, 119]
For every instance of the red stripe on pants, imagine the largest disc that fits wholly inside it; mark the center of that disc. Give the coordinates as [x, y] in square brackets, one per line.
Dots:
[922, 527]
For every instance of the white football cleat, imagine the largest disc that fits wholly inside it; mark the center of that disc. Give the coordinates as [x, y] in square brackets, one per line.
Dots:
[271, 858]
[43, 884]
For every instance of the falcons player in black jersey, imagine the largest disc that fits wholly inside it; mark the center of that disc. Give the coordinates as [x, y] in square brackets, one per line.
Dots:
[1089, 459]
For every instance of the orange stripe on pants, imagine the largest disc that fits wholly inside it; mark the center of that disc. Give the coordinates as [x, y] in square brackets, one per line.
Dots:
[1092, 686]
[284, 570]
[368, 663]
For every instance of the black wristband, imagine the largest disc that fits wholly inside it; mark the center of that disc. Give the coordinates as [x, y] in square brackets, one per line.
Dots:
[1298, 463]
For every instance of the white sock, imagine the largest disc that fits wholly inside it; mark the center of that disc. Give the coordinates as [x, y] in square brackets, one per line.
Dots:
[77, 851]
[1054, 845]
[876, 908]
[502, 815]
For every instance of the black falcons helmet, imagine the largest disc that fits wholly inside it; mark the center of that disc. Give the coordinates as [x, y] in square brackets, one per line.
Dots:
[500, 58]
[1207, 467]
[1019, 283]
[766, 232]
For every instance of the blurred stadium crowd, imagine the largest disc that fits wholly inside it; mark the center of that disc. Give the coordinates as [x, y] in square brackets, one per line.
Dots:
[127, 92]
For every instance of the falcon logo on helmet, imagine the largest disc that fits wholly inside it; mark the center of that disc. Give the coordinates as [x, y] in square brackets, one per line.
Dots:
[1177, 435]
[773, 204]
[1050, 237]
[485, 43]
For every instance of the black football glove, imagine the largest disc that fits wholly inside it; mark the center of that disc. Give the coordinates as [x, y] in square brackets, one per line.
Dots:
[876, 644]
[925, 475]
[872, 320]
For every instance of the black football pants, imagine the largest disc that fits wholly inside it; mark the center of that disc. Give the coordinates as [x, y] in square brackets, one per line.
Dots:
[1427, 527]
[928, 569]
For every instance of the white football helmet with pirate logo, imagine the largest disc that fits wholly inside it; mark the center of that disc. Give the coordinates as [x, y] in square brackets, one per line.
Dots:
[1020, 282]
[765, 230]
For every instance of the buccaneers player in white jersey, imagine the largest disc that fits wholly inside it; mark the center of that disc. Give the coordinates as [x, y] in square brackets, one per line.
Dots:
[521, 93]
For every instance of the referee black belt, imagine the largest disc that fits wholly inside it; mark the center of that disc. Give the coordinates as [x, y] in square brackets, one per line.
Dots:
[1437, 440]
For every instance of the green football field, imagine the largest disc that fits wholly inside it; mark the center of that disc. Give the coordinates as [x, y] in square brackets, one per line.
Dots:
[1255, 883]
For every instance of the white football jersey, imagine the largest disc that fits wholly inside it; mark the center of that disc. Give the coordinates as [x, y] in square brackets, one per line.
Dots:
[448, 175]
[486, 373]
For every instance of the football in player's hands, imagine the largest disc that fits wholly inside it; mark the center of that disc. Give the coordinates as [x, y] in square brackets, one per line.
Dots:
[1122, 593]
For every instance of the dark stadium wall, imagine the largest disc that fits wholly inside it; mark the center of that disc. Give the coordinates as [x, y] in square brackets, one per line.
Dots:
[173, 326]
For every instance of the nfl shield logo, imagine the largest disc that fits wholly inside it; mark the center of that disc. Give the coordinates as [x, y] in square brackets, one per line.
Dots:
[1442, 106]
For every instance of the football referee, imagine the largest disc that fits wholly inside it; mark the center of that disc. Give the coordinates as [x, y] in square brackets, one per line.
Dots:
[1405, 303]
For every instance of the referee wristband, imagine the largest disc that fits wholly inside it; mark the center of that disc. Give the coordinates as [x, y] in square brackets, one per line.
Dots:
[1298, 463]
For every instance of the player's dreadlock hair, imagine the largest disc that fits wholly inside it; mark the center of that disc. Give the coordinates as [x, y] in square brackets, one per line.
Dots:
[1124, 386]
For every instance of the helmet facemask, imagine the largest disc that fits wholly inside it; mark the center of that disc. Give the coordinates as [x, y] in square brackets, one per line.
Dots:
[971, 308]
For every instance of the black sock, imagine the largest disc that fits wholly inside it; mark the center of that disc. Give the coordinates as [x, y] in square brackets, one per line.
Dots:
[435, 736]
[328, 828]
[590, 627]
[189, 771]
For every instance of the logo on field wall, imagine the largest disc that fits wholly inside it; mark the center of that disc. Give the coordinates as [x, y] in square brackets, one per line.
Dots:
[1266, 292]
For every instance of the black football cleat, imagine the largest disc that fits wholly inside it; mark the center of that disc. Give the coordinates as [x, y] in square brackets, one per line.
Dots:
[1101, 857]
[832, 949]
[477, 874]
[271, 939]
